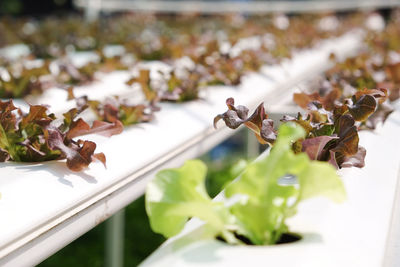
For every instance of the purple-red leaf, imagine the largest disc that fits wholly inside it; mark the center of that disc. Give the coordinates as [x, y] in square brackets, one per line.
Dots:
[314, 146]
[356, 160]
[100, 157]
[347, 143]
[78, 158]
[267, 131]
[363, 107]
[80, 128]
[258, 122]
[82, 157]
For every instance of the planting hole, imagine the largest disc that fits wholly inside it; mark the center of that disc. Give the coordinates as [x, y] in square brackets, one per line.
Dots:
[286, 238]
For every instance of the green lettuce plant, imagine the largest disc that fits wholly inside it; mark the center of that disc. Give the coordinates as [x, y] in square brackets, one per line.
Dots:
[256, 205]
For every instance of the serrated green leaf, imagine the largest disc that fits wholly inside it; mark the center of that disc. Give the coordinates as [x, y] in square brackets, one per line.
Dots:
[175, 195]
[267, 202]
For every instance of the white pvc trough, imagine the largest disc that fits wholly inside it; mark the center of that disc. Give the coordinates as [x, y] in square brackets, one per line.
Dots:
[45, 206]
[362, 231]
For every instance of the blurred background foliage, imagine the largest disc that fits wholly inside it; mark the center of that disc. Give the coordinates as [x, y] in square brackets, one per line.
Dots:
[34, 7]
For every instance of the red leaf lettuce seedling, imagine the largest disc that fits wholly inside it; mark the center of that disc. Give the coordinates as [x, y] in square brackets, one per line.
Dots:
[35, 137]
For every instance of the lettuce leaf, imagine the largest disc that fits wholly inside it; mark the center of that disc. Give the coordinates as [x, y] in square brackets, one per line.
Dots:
[176, 195]
[258, 122]
[268, 202]
[263, 199]
[34, 137]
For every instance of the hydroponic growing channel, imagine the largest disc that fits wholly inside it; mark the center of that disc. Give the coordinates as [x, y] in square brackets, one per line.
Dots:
[152, 86]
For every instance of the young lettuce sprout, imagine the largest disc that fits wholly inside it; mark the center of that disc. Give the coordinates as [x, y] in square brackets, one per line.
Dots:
[176, 195]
